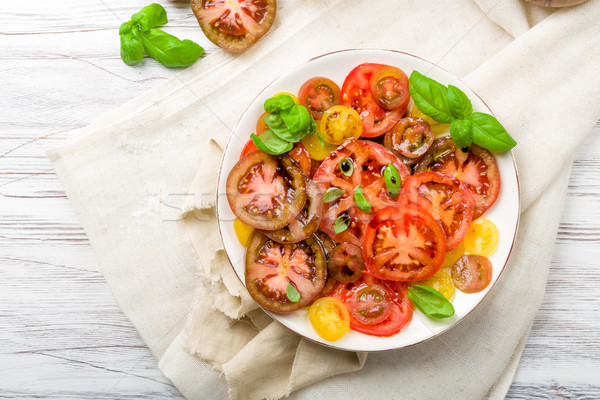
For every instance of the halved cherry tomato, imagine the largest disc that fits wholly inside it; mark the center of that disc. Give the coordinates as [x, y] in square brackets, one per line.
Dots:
[477, 169]
[234, 25]
[389, 87]
[396, 296]
[409, 139]
[356, 93]
[404, 243]
[300, 155]
[442, 282]
[261, 125]
[242, 231]
[482, 237]
[452, 256]
[345, 262]
[436, 127]
[266, 192]
[307, 220]
[271, 267]
[472, 273]
[340, 123]
[329, 318]
[316, 150]
[318, 95]
[368, 161]
[448, 201]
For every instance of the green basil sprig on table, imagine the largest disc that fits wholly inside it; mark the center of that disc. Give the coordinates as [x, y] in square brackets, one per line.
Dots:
[292, 293]
[430, 302]
[288, 123]
[139, 35]
[450, 105]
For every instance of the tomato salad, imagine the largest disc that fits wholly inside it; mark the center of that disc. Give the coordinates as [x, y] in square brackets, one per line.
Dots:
[355, 203]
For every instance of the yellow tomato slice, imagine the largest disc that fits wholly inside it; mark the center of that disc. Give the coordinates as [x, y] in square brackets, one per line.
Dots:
[482, 237]
[339, 124]
[453, 255]
[316, 151]
[436, 127]
[293, 96]
[442, 282]
[242, 231]
[329, 318]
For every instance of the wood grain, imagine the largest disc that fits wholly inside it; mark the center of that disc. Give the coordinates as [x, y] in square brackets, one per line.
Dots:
[62, 335]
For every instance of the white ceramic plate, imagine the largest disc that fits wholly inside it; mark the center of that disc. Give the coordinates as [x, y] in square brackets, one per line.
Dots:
[504, 213]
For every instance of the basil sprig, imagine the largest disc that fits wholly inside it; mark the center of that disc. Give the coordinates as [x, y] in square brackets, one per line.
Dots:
[139, 35]
[292, 293]
[288, 123]
[430, 302]
[451, 105]
[360, 200]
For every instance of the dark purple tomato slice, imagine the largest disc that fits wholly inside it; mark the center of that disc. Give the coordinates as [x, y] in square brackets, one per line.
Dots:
[471, 273]
[345, 262]
[234, 25]
[272, 266]
[266, 192]
[409, 139]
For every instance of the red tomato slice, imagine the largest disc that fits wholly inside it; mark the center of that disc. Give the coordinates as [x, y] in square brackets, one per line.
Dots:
[477, 169]
[319, 95]
[261, 127]
[356, 93]
[301, 156]
[448, 201]
[368, 160]
[397, 308]
[404, 243]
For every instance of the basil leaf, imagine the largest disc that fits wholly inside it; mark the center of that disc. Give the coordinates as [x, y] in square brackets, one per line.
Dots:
[149, 17]
[132, 50]
[393, 182]
[281, 102]
[321, 138]
[341, 223]
[313, 129]
[276, 124]
[360, 200]
[297, 119]
[346, 166]
[461, 131]
[292, 293]
[430, 302]
[332, 194]
[459, 104]
[271, 143]
[169, 50]
[489, 133]
[430, 97]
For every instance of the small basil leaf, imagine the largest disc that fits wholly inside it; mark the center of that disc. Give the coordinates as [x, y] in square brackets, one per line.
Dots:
[313, 128]
[150, 16]
[332, 194]
[271, 143]
[169, 50]
[430, 97]
[360, 200]
[346, 166]
[462, 132]
[292, 293]
[341, 223]
[297, 119]
[489, 133]
[276, 124]
[132, 50]
[278, 103]
[459, 104]
[430, 302]
[393, 182]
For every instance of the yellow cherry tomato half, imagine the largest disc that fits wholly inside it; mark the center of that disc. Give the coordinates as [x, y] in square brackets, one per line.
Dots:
[339, 124]
[316, 151]
[453, 255]
[329, 318]
[482, 237]
[436, 127]
[293, 96]
[242, 231]
[442, 282]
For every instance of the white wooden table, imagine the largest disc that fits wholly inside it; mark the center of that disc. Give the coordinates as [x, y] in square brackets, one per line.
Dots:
[62, 335]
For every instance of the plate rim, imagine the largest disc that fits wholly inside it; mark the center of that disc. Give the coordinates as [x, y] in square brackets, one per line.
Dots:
[242, 281]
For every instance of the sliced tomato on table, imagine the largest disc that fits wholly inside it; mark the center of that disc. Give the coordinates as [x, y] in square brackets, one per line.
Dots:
[266, 192]
[356, 163]
[318, 95]
[404, 243]
[447, 200]
[375, 308]
[356, 93]
[477, 169]
[272, 266]
[234, 25]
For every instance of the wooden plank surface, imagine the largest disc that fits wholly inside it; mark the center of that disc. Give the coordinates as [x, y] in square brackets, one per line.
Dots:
[61, 334]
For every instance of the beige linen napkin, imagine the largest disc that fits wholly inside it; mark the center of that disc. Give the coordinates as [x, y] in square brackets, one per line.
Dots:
[129, 174]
